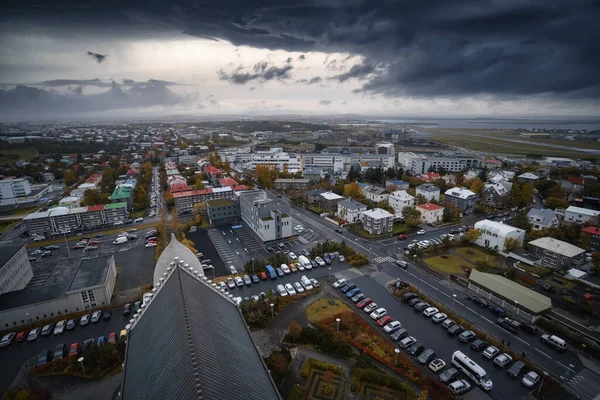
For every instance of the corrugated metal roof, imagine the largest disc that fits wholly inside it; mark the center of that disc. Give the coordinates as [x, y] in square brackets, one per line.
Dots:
[193, 343]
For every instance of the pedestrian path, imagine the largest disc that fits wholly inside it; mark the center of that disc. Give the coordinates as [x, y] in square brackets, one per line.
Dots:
[381, 259]
[224, 249]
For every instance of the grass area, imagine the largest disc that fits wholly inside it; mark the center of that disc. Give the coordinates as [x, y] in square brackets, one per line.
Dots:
[474, 255]
[311, 363]
[560, 283]
[10, 157]
[399, 228]
[137, 214]
[6, 225]
[25, 210]
[325, 308]
[107, 232]
[449, 264]
[316, 209]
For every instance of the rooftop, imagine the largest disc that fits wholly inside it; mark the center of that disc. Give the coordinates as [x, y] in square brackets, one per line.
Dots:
[351, 204]
[296, 180]
[529, 175]
[460, 192]
[331, 196]
[377, 213]
[7, 252]
[509, 290]
[113, 206]
[91, 272]
[494, 227]
[592, 230]
[429, 207]
[582, 211]
[557, 246]
[428, 187]
[219, 202]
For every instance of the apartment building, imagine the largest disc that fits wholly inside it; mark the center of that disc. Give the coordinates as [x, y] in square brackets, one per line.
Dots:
[428, 191]
[185, 201]
[350, 210]
[555, 253]
[451, 162]
[494, 234]
[291, 183]
[267, 216]
[430, 213]
[462, 198]
[123, 193]
[328, 201]
[223, 211]
[276, 157]
[400, 199]
[593, 235]
[15, 269]
[334, 162]
[580, 215]
[377, 221]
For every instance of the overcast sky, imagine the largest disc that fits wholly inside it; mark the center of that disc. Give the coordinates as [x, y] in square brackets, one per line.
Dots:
[372, 57]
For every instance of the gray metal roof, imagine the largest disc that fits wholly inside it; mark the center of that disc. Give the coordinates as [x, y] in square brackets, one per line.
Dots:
[91, 272]
[7, 252]
[191, 342]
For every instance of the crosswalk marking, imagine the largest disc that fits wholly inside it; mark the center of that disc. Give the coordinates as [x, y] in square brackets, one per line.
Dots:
[384, 259]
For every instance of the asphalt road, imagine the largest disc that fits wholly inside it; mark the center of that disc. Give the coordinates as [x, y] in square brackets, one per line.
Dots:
[18, 353]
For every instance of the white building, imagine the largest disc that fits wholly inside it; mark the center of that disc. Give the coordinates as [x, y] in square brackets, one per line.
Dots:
[542, 219]
[429, 191]
[350, 210]
[267, 216]
[579, 215]
[430, 213]
[375, 193]
[11, 188]
[494, 234]
[277, 157]
[421, 164]
[15, 269]
[377, 221]
[334, 162]
[386, 148]
[400, 199]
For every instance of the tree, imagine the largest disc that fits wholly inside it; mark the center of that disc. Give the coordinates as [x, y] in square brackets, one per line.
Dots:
[169, 198]
[70, 177]
[353, 190]
[424, 395]
[521, 221]
[476, 185]
[516, 194]
[527, 192]
[451, 212]
[473, 235]
[319, 147]
[294, 330]
[555, 202]
[198, 220]
[227, 166]
[511, 244]
[353, 175]
[93, 198]
[596, 263]
[412, 217]
[384, 205]
[198, 185]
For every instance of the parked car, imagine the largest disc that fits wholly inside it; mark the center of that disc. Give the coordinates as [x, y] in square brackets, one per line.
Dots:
[230, 283]
[448, 375]
[263, 276]
[530, 379]
[437, 365]
[280, 272]
[430, 311]
[238, 281]
[408, 296]
[320, 261]
[490, 352]
[516, 369]
[370, 307]
[402, 236]
[112, 338]
[480, 302]
[59, 352]
[96, 316]
[364, 302]
[448, 323]
[414, 301]
[34, 334]
[416, 349]
[420, 232]
[44, 357]
[439, 317]
[127, 310]
[348, 287]
[358, 297]
[47, 329]
[339, 283]
[353, 292]
[426, 356]
[466, 336]
[380, 312]
[497, 311]
[247, 280]
[21, 336]
[254, 278]
[479, 345]
[421, 306]
[7, 339]
[281, 290]
[74, 350]
[529, 328]
[298, 287]
[407, 342]
[290, 289]
[399, 334]
[459, 387]
[455, 330]
[509, 324]
[315, 282]
[383, 321]
[60, 327]
[502, 360]
[101, 341]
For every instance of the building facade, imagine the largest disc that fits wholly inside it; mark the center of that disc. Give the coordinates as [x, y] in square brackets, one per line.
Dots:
[377, 221]
[295, 184]
[542, 219]
[268, 217]
[400, 199]
[428, 191]
[185, 201]
[223, 211]
[494, 234]
[15, 269]
[578, 215]
[461, 198]
[451, 162]
[430, 213]
[328, 202]
[593, 236]
[555, 253]
[391, 185]
[350, 210]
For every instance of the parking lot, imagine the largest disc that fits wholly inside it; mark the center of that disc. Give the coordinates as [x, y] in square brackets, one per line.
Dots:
[18, 353]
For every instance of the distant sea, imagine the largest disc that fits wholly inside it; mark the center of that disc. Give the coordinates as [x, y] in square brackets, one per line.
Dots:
[481, 123]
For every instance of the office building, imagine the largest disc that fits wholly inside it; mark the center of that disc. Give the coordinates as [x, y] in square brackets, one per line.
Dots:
[267, 216]
[15, 269]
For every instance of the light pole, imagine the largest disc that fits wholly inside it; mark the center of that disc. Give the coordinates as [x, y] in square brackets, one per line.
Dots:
[329, 274]
[453, 299]
[415, 259]
[28, 319]
[397, 351]
[542, 384]
[337, 323]
[272, 312]
[80, 360]
[252, 259]
[517, 307]
[64, 232]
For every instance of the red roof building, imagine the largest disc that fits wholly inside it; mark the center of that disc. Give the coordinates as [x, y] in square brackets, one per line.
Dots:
[430, 177]
[593, 232]
[430, 213]
[224, 182]
[576, 180]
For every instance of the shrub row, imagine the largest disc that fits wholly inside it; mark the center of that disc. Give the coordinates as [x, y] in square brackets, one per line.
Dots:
[297, 393]
[325, 341]
[371, 376]
[310, 363]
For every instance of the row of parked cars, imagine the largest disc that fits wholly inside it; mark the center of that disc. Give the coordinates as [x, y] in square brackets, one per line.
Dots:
[290, 289]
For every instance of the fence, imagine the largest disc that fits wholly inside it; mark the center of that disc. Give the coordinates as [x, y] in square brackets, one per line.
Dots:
[507, 306]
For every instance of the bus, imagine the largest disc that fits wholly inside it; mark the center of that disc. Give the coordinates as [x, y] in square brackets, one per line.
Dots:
[271, 272]
[472, 370]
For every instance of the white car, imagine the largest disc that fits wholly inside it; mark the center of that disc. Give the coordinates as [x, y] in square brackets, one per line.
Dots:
[300, 267]
[437, 365]
[292, 256]
[439, 317]
[290, 289]
[339, 283]
[314, 282]
[151, 244]
[281, 290]
[230, 283]
[238, 281]
[7, 339]
[298, 287]
[392, 326]
[370, 307]
[320, 261]
[237, 300]
[380, 312]
[490, 352]
[421, 232]
[530, 379]
[146, 298]
[85, 319]
[428, 312]
[60, 327]
[37, 252]
[232, 269]
[118, 223]
[502, 360]
[299, 227]
[285, 269]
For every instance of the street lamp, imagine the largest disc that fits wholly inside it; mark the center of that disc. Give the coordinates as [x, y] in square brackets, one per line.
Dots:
[517, 305]
[28, 319]
[80, 360]
[397, 351]
[329, 274]
[64, 232]
[453, 299]
[337, 323]
[252, 259]
[272, 312]
[542, 384]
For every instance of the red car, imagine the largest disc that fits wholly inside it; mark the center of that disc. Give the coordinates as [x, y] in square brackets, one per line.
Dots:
[94, 242]
[263, 276]
[21, 336]
[383, 321]
[112, 338]
[402, 236]
[154, 240]
[364, 302]
[79, 246]
[74, 350]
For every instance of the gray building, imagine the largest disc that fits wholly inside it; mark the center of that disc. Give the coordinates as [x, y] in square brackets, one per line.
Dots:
[542, 219]
[90, 283]
[556, 254]
[15, 269]
[429, 191]
[190, 341]
[377, 221]
[313, 174]
[350, 210]
[328, 202]
[223, 211]
[291, 183]
[462, 198]
[267, 216]
[313, 195]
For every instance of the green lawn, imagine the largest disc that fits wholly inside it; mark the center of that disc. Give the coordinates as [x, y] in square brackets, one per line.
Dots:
[450, 265]
[316, 209]
[10, 157]
[473, 254]
[399, 228]
[6, 225]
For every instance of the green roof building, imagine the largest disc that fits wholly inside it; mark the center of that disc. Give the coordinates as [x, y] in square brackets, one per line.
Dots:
[121, 194]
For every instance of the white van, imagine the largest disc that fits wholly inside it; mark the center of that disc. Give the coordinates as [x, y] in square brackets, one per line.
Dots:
[555, 341]
[120, 240]
[306, 283]
[305, 262]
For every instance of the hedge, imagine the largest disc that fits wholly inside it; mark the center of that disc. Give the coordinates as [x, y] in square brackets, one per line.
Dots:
[297, 393]
[371, 376]
[311, 363]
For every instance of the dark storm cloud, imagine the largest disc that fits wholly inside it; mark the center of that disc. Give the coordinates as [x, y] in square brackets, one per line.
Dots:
[97, 57]
[325, 102]
[358, 71]
[312, 81]
[453, 48]
[262, 71]
[81, 82]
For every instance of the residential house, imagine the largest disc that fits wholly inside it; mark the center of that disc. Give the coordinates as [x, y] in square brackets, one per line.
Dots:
[377, 221]
[400, 199]
[572, 190]
[429, 177]
[542, 219]
[392, 185]
[430, 213]
[462, 198]
[527, 177]
[313, 174]
[428, 191]
[555, 253]
[328, 202]
[496, 193]
[492, 163]
[350, 210]
[494, 234]
[580, 215]
[593, 235]
[376, 194]
[313, 195]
